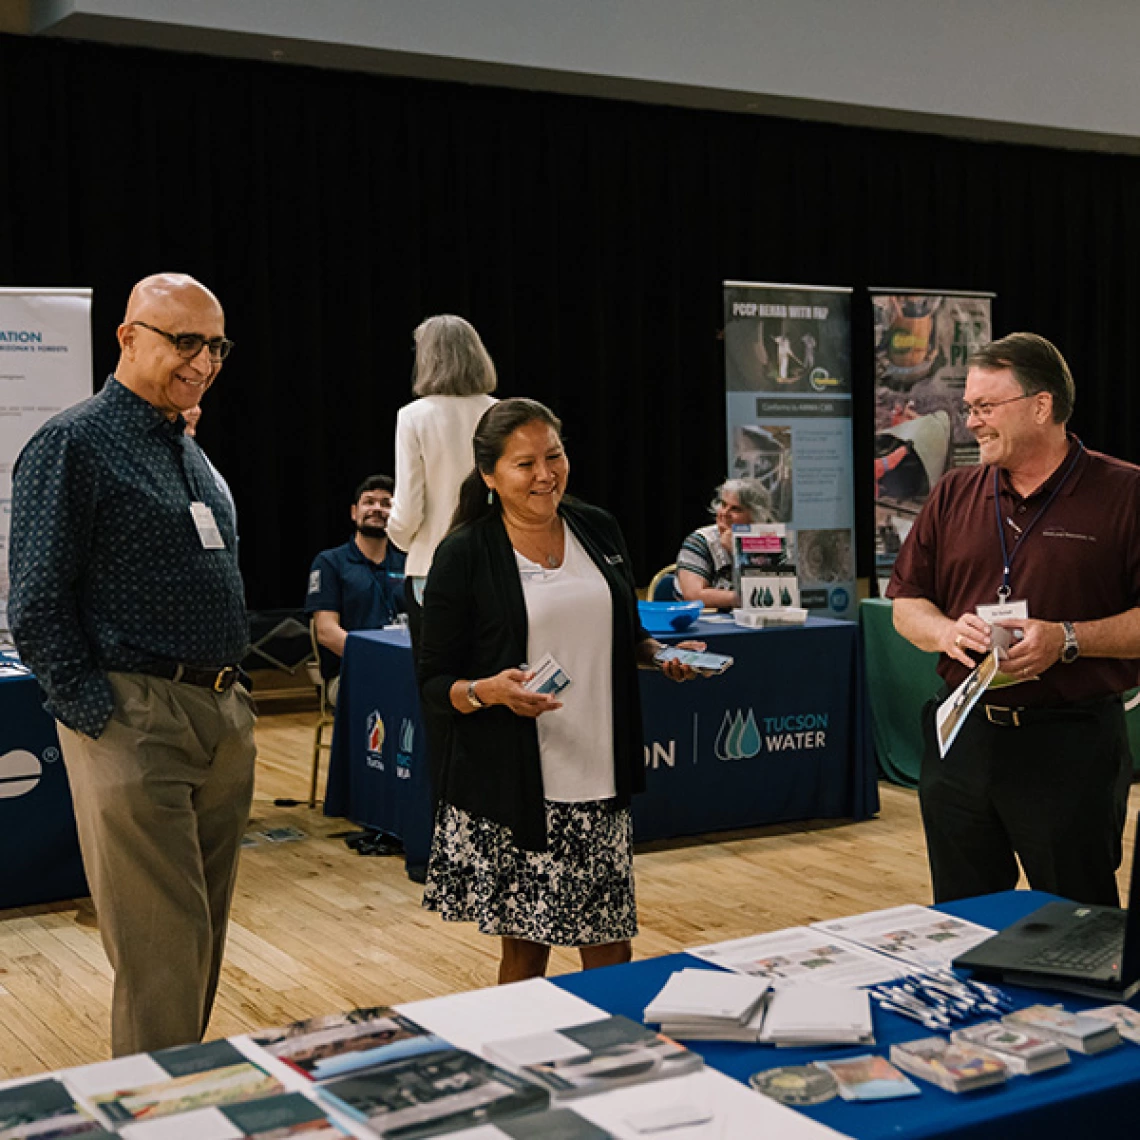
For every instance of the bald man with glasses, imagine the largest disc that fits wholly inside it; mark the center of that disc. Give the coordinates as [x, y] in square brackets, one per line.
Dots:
[127, 603]
[1050, 531]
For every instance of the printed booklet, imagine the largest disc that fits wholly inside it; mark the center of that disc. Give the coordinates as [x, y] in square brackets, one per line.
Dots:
[331, 1046]
[171, 1081]
[432, 1089]
[592, 1058]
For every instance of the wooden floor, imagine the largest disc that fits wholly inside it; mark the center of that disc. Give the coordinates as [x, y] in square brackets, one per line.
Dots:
[318, 928]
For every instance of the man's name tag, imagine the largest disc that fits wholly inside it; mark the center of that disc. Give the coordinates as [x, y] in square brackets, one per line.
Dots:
[207, 525]
[1003, 611]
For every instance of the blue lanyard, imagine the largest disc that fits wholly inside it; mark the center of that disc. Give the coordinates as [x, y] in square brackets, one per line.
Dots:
[1007, 555]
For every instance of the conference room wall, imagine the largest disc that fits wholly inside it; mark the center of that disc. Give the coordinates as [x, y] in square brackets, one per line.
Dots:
[586, 239]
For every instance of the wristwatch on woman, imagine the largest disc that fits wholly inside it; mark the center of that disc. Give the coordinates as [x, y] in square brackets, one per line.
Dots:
[473, 697]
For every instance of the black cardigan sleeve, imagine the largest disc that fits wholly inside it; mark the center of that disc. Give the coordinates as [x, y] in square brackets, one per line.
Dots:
[447, 628]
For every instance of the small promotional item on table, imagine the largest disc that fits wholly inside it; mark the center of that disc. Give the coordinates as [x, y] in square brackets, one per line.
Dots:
[1020, 1050]
[956, 1068]
[1124, 1017]
[797, 1085]
[869, 1078]
[1075, 1031]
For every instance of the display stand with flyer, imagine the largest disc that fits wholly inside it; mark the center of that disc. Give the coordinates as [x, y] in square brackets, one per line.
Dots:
[764, 573]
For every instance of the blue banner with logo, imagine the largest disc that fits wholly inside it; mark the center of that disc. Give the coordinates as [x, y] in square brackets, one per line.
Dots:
[788, 403]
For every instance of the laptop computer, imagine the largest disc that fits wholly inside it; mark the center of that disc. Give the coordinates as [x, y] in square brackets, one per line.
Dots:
[1088, 950]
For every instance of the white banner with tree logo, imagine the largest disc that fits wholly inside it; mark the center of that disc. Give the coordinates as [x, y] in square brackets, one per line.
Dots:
[45, 366]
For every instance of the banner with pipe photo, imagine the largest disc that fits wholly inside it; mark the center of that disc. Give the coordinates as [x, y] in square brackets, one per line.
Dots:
[923, 339]
[45, 366]
[788, 405]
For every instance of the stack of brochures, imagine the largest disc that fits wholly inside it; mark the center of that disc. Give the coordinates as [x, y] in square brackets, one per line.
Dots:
[1020, 1050]
[710, 1005]
[1075, 1031]
[600, 1055]
[806, 1015]
[954, 1067]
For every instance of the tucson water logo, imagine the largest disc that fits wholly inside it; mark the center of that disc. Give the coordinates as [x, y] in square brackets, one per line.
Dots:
[738, 738]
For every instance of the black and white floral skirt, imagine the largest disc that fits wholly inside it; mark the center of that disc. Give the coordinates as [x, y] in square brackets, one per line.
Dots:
[579, 892]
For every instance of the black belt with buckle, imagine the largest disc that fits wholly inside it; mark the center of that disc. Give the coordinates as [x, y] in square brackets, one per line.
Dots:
[1004, 717]
[220, 680]
[1019, 717]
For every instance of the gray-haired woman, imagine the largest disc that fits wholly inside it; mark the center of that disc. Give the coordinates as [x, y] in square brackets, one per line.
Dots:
[704, 562]
[454, 376]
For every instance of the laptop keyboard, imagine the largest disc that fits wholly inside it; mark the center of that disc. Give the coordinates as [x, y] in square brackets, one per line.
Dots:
[1088, 947]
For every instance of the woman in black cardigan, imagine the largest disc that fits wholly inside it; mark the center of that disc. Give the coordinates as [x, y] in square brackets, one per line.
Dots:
[533, 834]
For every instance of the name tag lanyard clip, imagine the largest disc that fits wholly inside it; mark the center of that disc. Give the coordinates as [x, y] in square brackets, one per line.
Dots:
[1008, 554]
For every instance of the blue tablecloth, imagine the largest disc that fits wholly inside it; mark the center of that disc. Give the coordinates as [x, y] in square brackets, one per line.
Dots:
[1094, 1096]
[39, 850]
[783, 735]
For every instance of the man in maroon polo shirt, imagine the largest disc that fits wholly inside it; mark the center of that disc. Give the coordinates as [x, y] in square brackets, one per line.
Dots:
[1040, 771]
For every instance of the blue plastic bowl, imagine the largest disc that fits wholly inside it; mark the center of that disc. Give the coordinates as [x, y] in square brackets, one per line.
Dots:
[668, 617]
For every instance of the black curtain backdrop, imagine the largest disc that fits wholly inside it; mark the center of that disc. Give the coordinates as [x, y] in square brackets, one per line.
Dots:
[587, 241]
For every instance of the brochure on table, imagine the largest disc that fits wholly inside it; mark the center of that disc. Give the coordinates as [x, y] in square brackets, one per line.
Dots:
[917, 935]
[800, 955]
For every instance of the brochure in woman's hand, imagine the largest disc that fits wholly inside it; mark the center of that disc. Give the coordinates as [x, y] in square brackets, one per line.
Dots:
[549, 677]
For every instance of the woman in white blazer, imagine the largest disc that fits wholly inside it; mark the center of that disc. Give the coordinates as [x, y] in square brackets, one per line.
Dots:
[454, 375]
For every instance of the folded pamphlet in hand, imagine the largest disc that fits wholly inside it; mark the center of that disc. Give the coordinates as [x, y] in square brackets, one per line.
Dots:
[549, 677]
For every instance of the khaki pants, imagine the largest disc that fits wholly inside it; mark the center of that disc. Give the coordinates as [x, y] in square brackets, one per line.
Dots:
[161, 802]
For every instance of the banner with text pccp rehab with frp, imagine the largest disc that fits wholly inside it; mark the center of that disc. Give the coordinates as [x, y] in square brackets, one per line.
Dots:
[45, 366]
[788, 381]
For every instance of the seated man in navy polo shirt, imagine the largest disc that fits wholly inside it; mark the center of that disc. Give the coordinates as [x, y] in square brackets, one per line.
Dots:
[359, 585]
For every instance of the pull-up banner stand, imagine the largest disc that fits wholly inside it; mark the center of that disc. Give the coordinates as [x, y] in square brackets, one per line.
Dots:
[788, 381]
[923, 339]
[45, 366]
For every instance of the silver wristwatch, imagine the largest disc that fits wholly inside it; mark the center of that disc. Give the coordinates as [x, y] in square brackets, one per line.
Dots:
[1071, 650]
[473, 697]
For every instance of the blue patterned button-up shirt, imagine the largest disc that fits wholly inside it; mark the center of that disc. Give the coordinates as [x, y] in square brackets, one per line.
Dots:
[108, 572]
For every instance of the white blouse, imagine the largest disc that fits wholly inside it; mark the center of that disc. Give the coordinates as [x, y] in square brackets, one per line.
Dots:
[433, 457]
[570, 616]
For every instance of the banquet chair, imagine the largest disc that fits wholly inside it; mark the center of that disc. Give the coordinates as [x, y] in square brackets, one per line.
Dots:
[327, 710]
[661, 584]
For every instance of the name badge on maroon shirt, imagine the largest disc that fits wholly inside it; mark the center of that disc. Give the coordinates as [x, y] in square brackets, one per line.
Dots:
[1004, 611]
